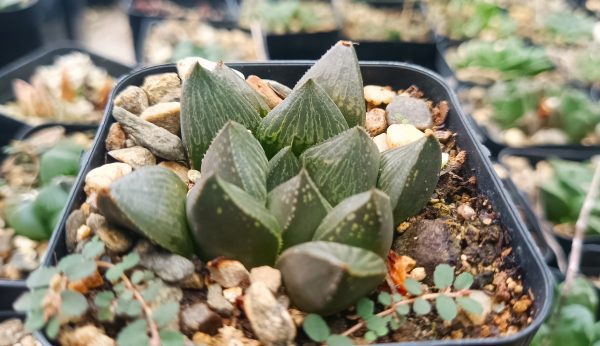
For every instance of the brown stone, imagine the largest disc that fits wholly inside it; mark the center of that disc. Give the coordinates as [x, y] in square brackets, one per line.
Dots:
[164, 87]
[165, 115]
[116, 137]
[376, 122]
[133, 98]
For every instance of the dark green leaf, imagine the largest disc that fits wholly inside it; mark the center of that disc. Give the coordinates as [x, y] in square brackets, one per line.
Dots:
[171, 338]
[463, 281]
[41, 277]
[339, 340]
[165, 313]
[446, 307]
[52, 327]
[384, 299]
[133, 334]
[104, 299]
[21, 216]
[73, 304]
[282, 167]
[403, 309]
[316, 328]
[443, 276]
[365, 308]
[421, 307]
[413, 286]
[470, 305]
[77, 267]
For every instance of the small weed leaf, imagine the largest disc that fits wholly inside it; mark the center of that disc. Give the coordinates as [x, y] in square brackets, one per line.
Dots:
[470, 305]
[53, 327]
[463, 281]
[403, 309]
[34, 320]
[119, 288]
[105, 315]
[23, 303]
[384, 299]
[443, 276]
[133, 334]
[164, 314]
[73, 304]
[316, 328]
[395, 324]
[171, 338]
[446, 307]
[365, 308]
[396, 297]
[130, 261]
[338, 340]
[413, 287]
[150, 293]
[421, 307]
[137, 277]
[370, 336]
[378, 325]
[93, 249]
[41, 277]
[114, 273]
[76, 267]
[104, 299]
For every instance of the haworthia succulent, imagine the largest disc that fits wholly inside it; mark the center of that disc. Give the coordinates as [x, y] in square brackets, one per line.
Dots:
[237, 157]
[409, 174]
[343, 165]
[326, 277]
[364, 220]
[299, 207]
[339, 74]
[207, 103]
[307, 117]
[235, 81]
[150, 201]
[226, 221]
[282, 167]
[22, 217]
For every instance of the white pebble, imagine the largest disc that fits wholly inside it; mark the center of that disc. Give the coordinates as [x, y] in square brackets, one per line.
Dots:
[381, 142]
[402, 134]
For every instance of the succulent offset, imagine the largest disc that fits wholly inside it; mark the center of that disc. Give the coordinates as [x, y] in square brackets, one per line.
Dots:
[322, 209]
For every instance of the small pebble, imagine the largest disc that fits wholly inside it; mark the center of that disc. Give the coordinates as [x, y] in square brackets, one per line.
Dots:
[165, 115]
[381, 141]
[217, 302]
[521, 305]
[116, 137]
[228, 273]
[466, 212]
[101, 177]
[232, 294]
[164, 87]
[133, 99]
[375, 122]
[402, 134]
[198, 317]
[135, 156]
[267, 275]
[377, 95]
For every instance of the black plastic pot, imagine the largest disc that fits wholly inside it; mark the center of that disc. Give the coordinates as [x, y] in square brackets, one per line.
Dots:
[301, 45]
[537, 154]
[422, 54]
[26, 66]
[397, 75]
[9, 130]
[10, 290]
[138, 18]
[20, 31]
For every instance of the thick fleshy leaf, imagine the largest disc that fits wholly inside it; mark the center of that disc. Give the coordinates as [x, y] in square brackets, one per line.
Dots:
[344, 165]
[299, 207]
[226, 221]
[235, 81]
[307, 117]
[326, 277]
[409, 174]
[207, 104]
[22, 217]
[50, 201]
[150, 201]
[338, 73]
[282, 167]
[237, 157]
[61, 160]
[364, 220]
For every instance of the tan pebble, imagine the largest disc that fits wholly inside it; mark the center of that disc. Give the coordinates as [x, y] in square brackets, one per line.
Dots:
[381, 141]
[164, 87]
[466, 212]
[83, 232]
[418, 274]
[193, 175]
[485, 301]
[200, 338]
[179, 169]
[85, 336]
[297, 316]
[232, 294]
[116, 137]
[194, 282]
[518, 289]
[445, 159]
[378, 95]
[228, 273]
[520, 306]
[135, 156]
[133, 98]
[402, 134]
[457, 334]
[407, 263]
[101, 177]
[512, 330]
[165, 115]
[403, 227]
[10, 272]
[511, 284]
[485, 331]
[267, 275]
[487, 221]
[376, 122]
[489, 287]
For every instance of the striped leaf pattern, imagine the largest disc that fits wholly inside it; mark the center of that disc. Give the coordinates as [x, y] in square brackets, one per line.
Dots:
[409, 174]
[237, 157]
[236, 82]
[338, 73]
[299, 207]
[207, 103]
[307, 117]
[282, 167]
[344, 165]
[150, 201]
[226, 221]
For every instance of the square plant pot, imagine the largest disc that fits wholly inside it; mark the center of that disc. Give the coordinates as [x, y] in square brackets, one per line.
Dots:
[25, 67]
[536, 276]
[10, 290]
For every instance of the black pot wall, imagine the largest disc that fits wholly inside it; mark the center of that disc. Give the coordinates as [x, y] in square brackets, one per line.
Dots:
[536, 275]
[20, 32]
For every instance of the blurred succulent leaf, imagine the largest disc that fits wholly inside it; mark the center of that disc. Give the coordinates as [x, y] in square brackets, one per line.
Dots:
[41, 277]
[58, 161]
[72, 303]
[22, 217]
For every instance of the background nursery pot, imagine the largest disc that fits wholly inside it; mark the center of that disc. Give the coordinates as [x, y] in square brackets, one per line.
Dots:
[398, 76]
[10, 290]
